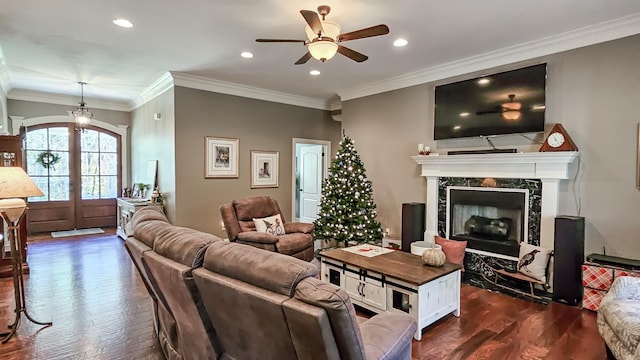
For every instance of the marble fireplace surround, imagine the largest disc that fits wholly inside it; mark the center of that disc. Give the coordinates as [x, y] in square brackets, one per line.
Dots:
[549, 167]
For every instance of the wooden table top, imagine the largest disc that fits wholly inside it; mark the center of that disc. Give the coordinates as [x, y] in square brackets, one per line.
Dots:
[396, 264]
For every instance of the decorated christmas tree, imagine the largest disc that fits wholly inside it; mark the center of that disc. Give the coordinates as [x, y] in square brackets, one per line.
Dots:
[347, 211]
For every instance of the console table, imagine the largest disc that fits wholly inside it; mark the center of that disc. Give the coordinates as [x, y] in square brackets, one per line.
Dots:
[126, 208]
[395, 282]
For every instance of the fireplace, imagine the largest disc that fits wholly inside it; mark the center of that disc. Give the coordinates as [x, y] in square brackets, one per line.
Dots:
[493, 221]
[539, 173]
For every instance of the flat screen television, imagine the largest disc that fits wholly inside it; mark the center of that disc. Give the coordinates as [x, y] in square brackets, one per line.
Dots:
[511, 102]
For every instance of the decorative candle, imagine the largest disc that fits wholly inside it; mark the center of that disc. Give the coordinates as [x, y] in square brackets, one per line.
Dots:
[420, 149]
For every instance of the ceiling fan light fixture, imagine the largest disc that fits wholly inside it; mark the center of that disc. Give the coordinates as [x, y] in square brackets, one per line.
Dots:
[511, 115]
[322, 50]
[81, 114]
[329, 29]
[511, 109]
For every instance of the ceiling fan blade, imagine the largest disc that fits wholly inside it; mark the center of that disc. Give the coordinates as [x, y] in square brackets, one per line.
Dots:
[281, 40]
[365, 33]
[495, 110]
[312, 18]
[304, 58]
[352, 54]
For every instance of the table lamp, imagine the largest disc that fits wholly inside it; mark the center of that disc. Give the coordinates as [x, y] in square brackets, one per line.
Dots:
[15, 186]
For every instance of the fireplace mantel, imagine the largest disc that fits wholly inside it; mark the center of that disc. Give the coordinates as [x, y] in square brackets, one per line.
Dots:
[550, 167]
[531, 165]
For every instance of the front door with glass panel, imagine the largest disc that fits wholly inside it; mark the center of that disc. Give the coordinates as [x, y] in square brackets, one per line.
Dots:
[79, 173]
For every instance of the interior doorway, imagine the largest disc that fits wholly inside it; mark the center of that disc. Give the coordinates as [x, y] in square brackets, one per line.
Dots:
[311, 165]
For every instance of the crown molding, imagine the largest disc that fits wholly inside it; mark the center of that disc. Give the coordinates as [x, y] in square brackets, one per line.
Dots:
[334, 104]
[59, 99]
[164, 83]
[224, 87]
[588, 35]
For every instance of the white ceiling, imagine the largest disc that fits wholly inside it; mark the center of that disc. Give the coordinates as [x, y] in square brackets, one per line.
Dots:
[49, 46]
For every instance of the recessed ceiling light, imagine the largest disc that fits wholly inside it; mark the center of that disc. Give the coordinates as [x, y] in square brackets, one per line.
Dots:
[400, 42]
[123, 23]
[314, 72]
[246, 55]
[457, 127]
[484, 81]
[464, 114]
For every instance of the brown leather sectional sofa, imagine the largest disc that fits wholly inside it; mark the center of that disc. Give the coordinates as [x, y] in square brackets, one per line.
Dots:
[217, 299]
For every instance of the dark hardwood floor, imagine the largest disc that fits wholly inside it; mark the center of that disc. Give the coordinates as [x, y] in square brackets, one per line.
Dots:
[89, 288]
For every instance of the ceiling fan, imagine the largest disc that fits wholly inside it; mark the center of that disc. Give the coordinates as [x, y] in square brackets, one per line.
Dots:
[509, 110]
[324, 38]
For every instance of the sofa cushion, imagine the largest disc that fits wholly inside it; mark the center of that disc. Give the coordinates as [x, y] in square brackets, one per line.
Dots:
[623, 317]
[146, 214]
[271, 224]
[254, 207]
[147, 231]
[298, 227]
[533, 261]
[265, 269]
[195, 336]
[388, 335]
[183, 245]
[453, 250]
[293, 243]
[341, 312]
[136, 248]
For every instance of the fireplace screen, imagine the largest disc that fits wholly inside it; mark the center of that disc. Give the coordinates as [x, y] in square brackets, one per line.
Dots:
[489, 219]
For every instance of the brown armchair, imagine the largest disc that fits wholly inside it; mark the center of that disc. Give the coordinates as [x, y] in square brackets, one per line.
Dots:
[238, 221]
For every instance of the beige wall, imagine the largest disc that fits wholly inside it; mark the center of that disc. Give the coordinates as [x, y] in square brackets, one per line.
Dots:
[259, 125]
[592, 91]
[154, 140]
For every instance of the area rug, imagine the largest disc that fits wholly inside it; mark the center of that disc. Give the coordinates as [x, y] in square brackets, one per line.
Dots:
[76, 232]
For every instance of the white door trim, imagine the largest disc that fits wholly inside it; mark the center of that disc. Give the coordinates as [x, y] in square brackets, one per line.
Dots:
[325, 169]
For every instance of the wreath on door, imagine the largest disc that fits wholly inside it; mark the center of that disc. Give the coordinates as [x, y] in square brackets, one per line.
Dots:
[47, 159]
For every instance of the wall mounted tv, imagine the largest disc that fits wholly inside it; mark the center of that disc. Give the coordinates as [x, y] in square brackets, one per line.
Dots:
[510, 102]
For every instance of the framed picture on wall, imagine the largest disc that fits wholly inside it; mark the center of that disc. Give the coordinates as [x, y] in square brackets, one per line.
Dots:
[264, 169]
[221, 157]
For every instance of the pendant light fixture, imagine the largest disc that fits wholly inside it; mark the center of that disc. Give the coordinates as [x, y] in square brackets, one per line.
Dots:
[82, 115]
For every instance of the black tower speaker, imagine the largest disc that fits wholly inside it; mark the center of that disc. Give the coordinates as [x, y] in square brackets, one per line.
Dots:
[413, 224]
[568, 259]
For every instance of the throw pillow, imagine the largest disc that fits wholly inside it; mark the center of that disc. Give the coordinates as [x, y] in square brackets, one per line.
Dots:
[533, 261]
[453, 250]
[272, 225]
